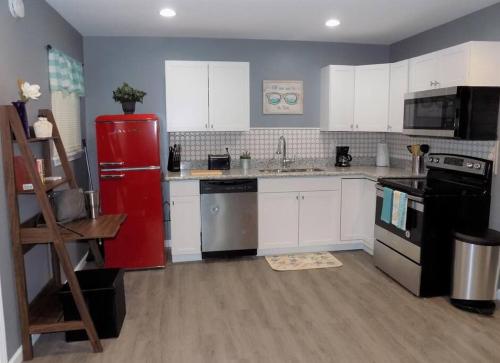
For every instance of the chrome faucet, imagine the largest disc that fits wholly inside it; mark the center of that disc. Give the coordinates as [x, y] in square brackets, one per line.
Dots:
[281, 151]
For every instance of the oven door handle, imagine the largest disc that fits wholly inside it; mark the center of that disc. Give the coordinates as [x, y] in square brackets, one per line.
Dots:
[410, 197]
[413, 202]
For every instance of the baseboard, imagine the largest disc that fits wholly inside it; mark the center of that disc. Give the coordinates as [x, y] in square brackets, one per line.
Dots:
[186, 257]
[18, 355]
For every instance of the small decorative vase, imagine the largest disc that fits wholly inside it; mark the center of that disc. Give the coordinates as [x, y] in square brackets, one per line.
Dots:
[128, 107]
[21, 111]
[245, 163]
[43, 128]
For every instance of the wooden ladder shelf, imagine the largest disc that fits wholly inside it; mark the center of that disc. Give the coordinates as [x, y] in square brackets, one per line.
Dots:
[44, 313]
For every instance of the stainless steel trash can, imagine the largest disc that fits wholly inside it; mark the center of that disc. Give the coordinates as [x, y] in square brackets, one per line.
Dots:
[475, 271]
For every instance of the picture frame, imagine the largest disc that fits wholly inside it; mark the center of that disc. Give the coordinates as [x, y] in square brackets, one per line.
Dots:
[283, 97]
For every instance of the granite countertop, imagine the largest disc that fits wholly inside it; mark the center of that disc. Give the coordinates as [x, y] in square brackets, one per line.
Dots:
[370, 172]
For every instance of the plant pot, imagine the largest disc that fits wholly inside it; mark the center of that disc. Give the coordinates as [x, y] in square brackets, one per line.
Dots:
[245, 163]
[23, 115]
[128, 107]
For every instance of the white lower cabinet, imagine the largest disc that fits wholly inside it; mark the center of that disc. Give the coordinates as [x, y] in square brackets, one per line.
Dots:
[358, 211]
[278, 220]
[319, 218]
[298, 213]
[185, 212]
[185, 218]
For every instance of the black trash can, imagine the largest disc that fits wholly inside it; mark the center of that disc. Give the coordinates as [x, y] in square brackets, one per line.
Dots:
[104, 293]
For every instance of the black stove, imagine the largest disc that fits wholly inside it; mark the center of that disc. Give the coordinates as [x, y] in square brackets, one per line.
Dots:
[454, 196]
[448, 174]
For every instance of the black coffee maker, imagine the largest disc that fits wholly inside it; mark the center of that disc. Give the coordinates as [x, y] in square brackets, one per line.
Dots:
[342, 158]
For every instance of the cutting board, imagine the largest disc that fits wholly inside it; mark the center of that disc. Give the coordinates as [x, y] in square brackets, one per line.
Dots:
[203, 172]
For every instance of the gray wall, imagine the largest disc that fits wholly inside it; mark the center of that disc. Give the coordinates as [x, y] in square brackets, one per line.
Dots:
[140, 61]
[24, 56]
[481, 25]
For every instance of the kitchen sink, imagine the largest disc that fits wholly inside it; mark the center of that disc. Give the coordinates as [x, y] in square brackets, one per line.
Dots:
[291, 170]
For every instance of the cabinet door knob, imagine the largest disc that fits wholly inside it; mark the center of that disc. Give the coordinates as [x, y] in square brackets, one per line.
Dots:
[173, 203]
[206, 126]
[297, 197]
[212, 126]
[302, 197]
[352, 126]
[357, 126]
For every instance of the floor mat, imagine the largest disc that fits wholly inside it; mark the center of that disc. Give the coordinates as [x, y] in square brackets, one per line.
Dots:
[303, 261]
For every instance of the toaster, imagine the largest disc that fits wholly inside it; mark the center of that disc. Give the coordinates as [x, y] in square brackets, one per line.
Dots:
[219, 162]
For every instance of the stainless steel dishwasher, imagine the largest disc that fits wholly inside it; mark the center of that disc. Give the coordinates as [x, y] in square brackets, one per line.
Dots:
[228, 217]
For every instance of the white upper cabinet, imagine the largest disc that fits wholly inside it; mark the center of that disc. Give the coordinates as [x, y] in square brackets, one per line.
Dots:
[229, 96]
[337, 98]
[423, 72]
[397, 89]
[468, 64]
[207, 96]
[371, 97]
[186, 95]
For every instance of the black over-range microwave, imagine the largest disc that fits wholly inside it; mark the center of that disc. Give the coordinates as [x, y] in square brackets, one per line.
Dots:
[468, 113]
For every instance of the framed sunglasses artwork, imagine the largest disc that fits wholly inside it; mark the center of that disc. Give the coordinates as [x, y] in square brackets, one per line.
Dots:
[283, 97]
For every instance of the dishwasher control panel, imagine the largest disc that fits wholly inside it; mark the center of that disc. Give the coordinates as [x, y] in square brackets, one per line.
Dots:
[228, 186]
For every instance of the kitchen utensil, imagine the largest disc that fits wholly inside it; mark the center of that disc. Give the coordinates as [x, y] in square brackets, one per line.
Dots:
[417, 164]
[424, 148]
[174, 158]
[203, 172]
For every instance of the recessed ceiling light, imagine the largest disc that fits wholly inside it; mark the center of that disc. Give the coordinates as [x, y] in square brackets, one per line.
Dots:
[332, 23]
[168, 13]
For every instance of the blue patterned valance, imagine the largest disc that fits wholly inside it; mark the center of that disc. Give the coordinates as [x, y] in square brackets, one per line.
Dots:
[65, 73]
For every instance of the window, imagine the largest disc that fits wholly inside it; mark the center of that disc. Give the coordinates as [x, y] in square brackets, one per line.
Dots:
[66, 110]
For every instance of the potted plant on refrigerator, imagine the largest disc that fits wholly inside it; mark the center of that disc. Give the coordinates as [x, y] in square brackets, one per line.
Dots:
[128, 96]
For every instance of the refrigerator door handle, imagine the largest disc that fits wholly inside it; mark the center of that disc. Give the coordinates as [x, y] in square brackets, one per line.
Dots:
[112, 163]
[113, 176]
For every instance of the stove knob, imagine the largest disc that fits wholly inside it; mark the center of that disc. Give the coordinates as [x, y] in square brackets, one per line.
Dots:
[477, 166]
[431, 160]
[436, 160]
[469, 165]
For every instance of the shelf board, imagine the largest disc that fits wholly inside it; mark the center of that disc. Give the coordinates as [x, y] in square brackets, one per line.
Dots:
[50, 185]
[39, 139]
[46, 314]
[105, 226]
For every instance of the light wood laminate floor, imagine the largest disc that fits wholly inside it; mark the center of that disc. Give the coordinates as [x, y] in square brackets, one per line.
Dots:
[242, 311]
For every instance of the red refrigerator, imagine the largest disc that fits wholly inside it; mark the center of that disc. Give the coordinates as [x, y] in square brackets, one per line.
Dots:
[128, 156]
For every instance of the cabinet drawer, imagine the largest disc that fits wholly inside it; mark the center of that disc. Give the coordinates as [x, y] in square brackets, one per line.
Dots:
[184, 188]
[298, 184]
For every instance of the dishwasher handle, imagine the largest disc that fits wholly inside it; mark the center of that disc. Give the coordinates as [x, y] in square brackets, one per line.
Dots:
[228, 186]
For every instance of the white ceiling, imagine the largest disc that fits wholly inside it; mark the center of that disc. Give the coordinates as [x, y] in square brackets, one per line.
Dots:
[363, 21]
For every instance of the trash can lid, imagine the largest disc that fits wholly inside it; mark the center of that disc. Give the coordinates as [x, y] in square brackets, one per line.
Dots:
[489, 237]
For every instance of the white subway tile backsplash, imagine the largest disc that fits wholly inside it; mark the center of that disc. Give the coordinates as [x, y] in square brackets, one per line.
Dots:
[306, 143]
[482, 149]
[262, 143]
